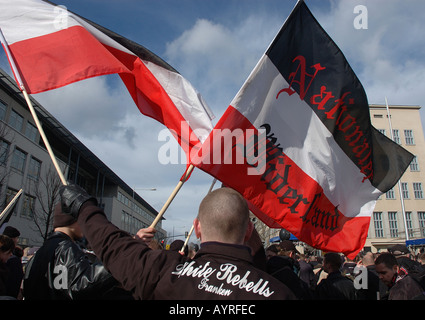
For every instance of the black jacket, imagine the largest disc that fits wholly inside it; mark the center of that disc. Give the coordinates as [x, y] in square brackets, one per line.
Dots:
[336, 287]
[286, 270]
[4, 274]
[61, 270]
[218, 270]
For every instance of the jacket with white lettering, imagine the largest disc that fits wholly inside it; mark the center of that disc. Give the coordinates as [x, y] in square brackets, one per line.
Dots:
[218, 271]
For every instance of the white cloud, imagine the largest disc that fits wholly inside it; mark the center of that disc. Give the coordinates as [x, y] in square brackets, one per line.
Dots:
[388, 56]
[94, 107]
[218, 59]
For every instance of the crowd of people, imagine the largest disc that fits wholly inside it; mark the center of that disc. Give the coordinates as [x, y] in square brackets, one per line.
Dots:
[395, 274]
[230, 263]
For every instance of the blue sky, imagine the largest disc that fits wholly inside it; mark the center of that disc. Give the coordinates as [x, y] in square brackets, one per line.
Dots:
[215, 44]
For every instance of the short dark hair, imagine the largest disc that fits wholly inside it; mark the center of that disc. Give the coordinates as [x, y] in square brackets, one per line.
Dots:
[388, 259]
[334, 260]
[6, 243]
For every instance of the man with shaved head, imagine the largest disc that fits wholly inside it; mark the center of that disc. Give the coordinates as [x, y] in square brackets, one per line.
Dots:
[221, 269]
[223, 216]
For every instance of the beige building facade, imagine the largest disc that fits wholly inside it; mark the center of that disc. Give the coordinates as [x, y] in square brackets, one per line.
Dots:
[399, 215]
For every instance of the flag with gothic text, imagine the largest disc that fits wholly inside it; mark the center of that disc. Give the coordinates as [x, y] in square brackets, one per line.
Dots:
[312, 162]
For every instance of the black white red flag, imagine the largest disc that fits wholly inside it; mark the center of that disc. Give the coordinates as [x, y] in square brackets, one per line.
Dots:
[53, 47]
[313, 163]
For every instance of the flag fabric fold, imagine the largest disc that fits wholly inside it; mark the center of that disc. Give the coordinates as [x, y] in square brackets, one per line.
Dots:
[303, 117]
[53, 47]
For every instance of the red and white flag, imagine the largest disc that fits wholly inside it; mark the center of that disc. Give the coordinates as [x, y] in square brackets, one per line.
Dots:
[312, 162]
[53, 47]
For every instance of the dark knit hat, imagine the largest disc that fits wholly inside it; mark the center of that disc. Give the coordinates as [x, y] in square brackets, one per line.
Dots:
[11, 232]
[177, 245]
[287, 245]
[398, 249]
[61, 219]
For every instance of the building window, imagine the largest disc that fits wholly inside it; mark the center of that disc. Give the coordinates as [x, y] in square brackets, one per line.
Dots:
[421, 219]
[10, 194]
[408, 135]
[390, 194]
[377, 222]
[3, 109]
[414, 165]
[396, 136]
[34, 169]
[405, 190]
[18, 160]
[417, 190]
[4, 152]
[28, 207]
[31, 132]
[382, 131]
[16, 121]
[392, 219]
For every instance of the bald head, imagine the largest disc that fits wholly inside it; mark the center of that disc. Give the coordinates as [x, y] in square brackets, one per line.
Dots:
[223, 216]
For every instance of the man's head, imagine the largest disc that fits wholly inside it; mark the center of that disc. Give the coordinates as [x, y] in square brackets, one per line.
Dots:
[368, 259]
[66, 223]
[387, 267]
[12, 233]
[287, 248]
[332, 262]
[399, 250]
[6, 248]
[272, 251]
[224, 217]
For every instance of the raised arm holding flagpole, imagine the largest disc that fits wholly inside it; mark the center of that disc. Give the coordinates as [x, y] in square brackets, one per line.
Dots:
[157, 89]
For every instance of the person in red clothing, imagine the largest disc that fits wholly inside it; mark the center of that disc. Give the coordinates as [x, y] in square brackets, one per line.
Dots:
[222, 268]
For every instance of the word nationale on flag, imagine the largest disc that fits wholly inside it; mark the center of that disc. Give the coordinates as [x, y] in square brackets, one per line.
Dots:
[53, 47]
[325, 163]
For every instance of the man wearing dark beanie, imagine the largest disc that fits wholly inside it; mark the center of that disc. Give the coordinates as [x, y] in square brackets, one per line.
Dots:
[12, 233]
[61, 270]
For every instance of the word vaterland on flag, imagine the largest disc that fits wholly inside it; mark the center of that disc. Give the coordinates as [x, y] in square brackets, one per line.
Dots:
[53, 47]
[303, 116]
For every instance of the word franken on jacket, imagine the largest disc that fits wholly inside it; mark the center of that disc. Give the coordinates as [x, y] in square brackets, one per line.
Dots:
[227, 275]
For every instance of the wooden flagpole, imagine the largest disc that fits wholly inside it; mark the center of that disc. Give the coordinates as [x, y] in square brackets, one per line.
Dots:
[191, 229]
[43, 136]
[173, 195]
[31, 107]
[10, 205]
[187, 238]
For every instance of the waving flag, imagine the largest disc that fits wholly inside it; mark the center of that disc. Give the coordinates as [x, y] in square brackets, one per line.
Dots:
[303, 116]
[53, 47]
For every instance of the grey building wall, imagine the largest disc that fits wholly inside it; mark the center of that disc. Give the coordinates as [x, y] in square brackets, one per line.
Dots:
[25, 163]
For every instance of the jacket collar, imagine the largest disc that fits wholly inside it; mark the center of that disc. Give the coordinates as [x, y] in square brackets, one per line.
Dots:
[232, 251]
[58, 234]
